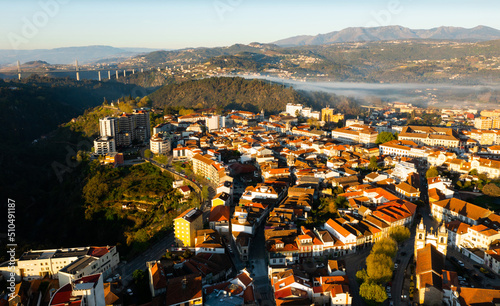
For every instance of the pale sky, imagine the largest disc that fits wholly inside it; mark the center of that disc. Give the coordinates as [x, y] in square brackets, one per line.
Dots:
[45, 24]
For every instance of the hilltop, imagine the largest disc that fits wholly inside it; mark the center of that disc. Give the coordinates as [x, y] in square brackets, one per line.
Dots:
[226, 93]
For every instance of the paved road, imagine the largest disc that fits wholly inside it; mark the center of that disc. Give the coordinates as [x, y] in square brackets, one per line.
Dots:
[469, 264]
[155, 252]
[399, 275]
[354, 263]
[258, 258]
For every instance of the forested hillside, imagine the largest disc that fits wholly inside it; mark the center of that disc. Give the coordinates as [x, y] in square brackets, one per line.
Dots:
[226, 93]
[35, 106]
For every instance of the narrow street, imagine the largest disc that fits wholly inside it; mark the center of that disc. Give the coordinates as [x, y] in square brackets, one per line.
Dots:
[354, 263]
[258, 263]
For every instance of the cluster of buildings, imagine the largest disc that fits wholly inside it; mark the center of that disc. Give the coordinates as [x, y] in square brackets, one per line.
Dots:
[122, 131]
[285, 167]
[291, 171]
[293, 165]
[73, 276]
[468, 228]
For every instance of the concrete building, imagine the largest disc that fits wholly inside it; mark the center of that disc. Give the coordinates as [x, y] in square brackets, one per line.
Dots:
[160, 143]
[431, 136]
[455, 209]
[101, 260]
[88, 291]
[104, 145]
[186, 225]
[67, 264]
[214, 123]
[208, 168]
[108, 126]
[294, 109]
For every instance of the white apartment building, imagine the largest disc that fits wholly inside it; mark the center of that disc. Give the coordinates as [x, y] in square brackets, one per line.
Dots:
[104, 145]
[74, 263]
[160, 143]
[292, 109]
[108, 126]
[215, 122]
[101, 260]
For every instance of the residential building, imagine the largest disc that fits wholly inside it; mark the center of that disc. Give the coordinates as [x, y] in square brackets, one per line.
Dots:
[219, 219]
[160, 143]
[88, 290]
[408, 192]
[184, 290]
[294, 109]
[67, 264]
[214, 123]
[221, 198]
[208, 168]
[186, 225]
[403, 148]
[455, 209]
[483, 123]
[104, 145]
[108, 126]
[431, 136]
[356, 134]
[492, 260]
[102, 260]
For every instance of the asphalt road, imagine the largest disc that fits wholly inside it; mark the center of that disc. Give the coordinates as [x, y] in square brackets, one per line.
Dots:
[354, 263]
[155, 252]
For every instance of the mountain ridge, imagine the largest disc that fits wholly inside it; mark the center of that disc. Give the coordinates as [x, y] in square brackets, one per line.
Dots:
[393, 32]
[67, 55]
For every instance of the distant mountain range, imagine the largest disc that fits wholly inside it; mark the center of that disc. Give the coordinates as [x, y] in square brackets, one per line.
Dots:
[358, 34]
[68, 55]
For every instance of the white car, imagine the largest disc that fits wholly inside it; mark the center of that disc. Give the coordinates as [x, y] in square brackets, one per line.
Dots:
[129, 291]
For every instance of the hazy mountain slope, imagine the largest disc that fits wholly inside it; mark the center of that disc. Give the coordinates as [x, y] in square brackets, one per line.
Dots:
[68, 55]
[354, 34]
